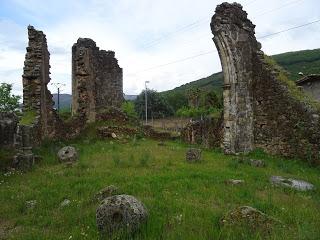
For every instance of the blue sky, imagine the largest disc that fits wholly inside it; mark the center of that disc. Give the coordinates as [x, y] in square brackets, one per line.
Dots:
[144, 34]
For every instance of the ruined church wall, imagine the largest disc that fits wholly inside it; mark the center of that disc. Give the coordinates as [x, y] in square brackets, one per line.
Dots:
[97, 79]
[37, 99]
[262, 110]
[206, 132]
[284, 123]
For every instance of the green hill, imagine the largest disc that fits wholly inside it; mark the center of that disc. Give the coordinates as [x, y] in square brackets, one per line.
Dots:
[306, 61]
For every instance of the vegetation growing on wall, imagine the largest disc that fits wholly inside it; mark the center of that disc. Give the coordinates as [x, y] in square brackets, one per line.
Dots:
[28, 117]
[295, 92]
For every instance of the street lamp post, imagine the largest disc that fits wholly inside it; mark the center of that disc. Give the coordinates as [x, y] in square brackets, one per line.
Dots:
[146, 100]
[58, 86]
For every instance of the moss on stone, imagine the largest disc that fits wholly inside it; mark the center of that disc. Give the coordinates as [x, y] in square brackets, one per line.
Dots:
[28, 117]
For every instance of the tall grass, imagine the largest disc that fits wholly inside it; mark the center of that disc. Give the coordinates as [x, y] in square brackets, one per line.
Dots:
[184, 201]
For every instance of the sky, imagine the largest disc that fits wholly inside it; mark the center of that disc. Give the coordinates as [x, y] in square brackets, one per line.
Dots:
[146, 35]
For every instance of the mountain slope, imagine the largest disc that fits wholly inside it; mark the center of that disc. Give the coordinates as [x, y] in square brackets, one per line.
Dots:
[306, 61]
[65, 100]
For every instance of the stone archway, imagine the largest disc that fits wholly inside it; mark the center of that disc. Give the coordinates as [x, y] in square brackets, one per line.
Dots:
[262, 108]
[234, 39]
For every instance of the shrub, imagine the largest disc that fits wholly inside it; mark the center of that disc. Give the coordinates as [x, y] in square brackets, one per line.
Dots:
[128, 108]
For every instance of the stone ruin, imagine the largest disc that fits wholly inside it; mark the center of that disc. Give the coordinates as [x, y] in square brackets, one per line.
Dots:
[43, 121]
[8, 129]
[261, 109]
[96, 84]
[97, 79]
[37, 99]
[206, 132]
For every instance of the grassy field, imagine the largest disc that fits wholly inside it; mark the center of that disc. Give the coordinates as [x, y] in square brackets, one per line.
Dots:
[185, 201]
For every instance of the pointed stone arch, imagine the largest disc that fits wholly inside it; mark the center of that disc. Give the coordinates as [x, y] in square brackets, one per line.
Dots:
[262, 108]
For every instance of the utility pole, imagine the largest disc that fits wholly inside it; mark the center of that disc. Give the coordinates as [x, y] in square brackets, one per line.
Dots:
[146, 100]
[58, 86]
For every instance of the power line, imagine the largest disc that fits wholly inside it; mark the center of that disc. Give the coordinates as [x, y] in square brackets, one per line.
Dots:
[185, 28]
[180, 60]
[286, 30]
[195, 24]
[249, 3]
[182, 29]
[278, 8]
[209, 52]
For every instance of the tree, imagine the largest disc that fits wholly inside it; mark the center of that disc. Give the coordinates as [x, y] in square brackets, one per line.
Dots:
[176, 99]
[158, 106]
[129, 108]
[201, 104]
[194, 95]
[211, 100]
[8, 101]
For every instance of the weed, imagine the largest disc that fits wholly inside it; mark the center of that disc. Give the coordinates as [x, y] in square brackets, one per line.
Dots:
[144, 159]
[116, 160]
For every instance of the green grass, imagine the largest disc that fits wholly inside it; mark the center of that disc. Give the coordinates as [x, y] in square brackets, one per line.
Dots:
[28, 118]
[185, 201]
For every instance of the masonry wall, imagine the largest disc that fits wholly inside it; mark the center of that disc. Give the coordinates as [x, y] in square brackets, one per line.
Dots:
[262, 109]
[97, 79]
[8, 128]
[37, 99]
[206, 132]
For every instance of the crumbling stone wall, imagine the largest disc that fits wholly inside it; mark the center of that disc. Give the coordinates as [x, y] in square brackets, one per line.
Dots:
[37, 99]
[206, 132]
[97, 79]
[8, 128]
[234, 46]
[40, 119]
[261, 109]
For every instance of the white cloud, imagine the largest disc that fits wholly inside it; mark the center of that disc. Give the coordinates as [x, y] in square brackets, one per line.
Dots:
[132, 29]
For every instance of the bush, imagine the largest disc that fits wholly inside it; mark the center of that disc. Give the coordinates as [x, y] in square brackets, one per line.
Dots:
[198, 112]
[128, 108]
[8, 101]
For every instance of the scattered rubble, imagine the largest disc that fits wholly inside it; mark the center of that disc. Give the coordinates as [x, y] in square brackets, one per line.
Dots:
[299, 185]
[107, 192]
[65, 202]
[193, 155]
[31, 204]
[234, 182]
[250, 217]
[122, 214]
[67, 154]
